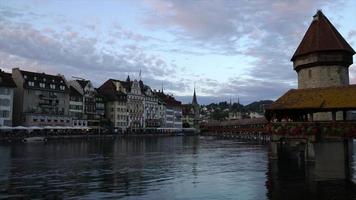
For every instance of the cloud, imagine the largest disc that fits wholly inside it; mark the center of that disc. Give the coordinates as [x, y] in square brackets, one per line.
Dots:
[268, 32]
[69, 52]
[264, 32]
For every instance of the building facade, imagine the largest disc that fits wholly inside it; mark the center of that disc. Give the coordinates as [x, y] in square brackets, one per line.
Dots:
[40, 99]
[173, 108]
[76, 106]
[116, 109]
[7, 86]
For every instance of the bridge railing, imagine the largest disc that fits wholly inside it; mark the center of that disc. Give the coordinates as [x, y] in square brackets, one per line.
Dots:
[328, 128]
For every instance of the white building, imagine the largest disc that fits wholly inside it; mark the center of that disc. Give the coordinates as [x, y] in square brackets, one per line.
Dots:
[7, 86]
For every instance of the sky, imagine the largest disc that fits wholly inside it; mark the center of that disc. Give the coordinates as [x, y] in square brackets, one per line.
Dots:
[228, 49]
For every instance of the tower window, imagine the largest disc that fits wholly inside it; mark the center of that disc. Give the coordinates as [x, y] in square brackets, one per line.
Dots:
[310, 73]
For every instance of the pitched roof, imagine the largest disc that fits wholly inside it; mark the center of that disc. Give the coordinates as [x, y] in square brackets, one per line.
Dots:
[322, 36]
[6, 80]
[328, 98]
[83, 83]
[169, 100]
[48, 77]
[109, 92]
[74, 92]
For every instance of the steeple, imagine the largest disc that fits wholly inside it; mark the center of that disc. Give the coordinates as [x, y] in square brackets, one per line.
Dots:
[194, 102]
[128, 78]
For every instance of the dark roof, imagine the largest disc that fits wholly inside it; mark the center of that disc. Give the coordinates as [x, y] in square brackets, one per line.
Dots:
[74, 92]
[322, 36]
[48, 77]
[169, 100]
[6, 80]
[328, 98]
[109, 92]
[83, 83]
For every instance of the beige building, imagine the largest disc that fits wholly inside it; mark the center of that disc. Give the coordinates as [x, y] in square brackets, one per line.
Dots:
[116, 110]
[40, 99]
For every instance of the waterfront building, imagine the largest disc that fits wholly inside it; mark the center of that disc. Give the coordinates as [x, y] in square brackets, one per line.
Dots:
[99, 107]
[173, 108]
[135, 103]
[76, 110]
[116, 109]
[7, 86]
[86, 88]
[151, 115]
[161, 113]
[40, 99]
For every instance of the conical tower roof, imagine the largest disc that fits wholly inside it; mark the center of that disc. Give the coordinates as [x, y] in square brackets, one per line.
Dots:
[322, 36]
[194, 98]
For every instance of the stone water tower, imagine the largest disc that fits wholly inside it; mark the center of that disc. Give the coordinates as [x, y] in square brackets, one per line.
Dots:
[323, 57]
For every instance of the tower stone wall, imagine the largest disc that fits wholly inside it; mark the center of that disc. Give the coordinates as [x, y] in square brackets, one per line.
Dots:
[323, 76]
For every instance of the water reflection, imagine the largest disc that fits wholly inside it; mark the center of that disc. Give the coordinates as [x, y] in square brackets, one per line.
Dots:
[153, 168]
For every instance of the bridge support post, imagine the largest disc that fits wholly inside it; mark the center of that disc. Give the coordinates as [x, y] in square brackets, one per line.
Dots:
[309, 151]
[274, 147]
[332, 159]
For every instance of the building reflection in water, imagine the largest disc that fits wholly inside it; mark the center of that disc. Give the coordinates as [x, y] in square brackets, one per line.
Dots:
[290, 180]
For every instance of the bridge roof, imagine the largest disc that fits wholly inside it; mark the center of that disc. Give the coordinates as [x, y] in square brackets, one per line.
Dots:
[317, 99]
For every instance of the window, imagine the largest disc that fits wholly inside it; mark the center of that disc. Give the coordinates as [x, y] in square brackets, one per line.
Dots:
[62, 87]
[25, 77]
[310, 73]
[4, 113]
[31, 83]
[4, 90]
[52, 86]
[42, 85]
[35, 78]
[44, 79]
[4, 102]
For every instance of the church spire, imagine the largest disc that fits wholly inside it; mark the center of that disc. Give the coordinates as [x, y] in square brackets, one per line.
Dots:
[194, 97]
[128, 78]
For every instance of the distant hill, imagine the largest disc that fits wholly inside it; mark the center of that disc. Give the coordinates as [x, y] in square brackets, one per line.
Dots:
[258, 106]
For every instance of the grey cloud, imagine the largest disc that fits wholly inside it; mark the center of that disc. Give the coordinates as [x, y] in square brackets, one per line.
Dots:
[69, 52]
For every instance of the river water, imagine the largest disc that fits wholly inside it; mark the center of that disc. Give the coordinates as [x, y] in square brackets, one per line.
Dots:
[156, 168]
